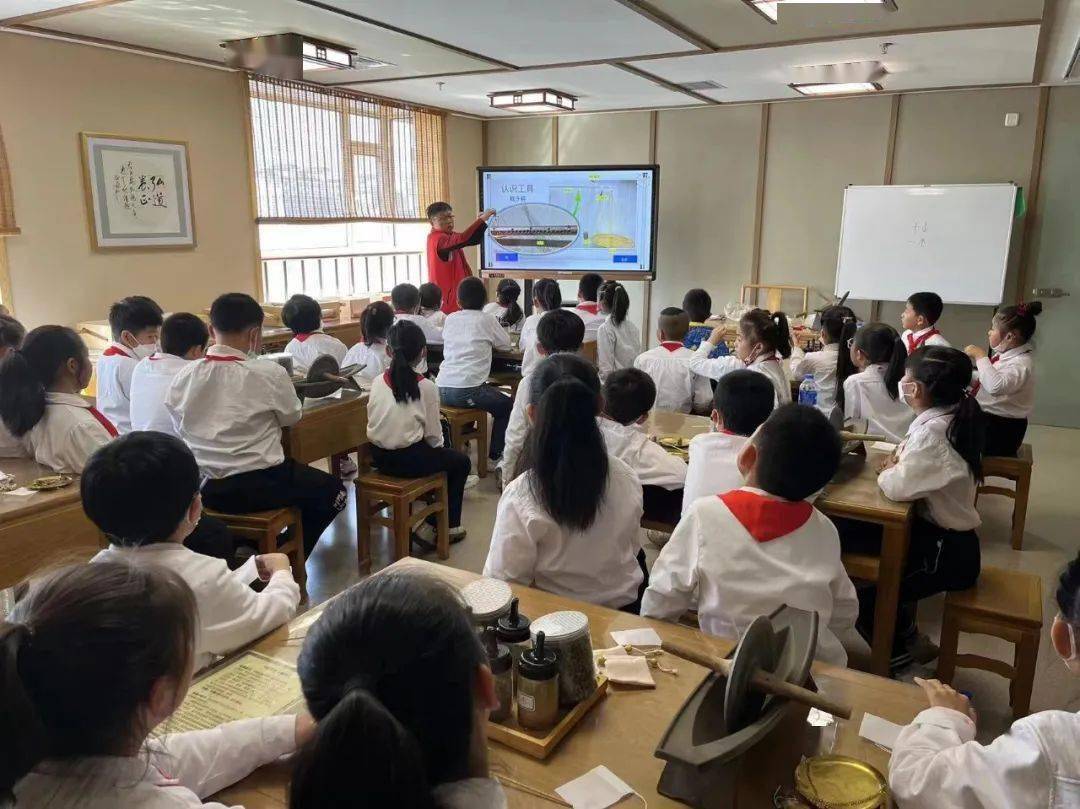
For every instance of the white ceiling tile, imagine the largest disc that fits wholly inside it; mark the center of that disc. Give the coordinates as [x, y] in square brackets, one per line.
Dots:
[18, 8]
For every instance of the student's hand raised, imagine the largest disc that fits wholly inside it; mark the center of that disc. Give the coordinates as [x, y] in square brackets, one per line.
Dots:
[717, 335]
[270, 563]
[944, 696]
[975, 352]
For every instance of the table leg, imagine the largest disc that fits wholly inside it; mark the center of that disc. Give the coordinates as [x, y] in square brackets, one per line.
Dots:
[894, 547]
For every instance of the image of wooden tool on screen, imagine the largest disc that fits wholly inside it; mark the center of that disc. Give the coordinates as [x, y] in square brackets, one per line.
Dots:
[324, 377]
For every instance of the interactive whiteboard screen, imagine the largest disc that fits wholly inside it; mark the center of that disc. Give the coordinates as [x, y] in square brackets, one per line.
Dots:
[949, 239]
[570, 220]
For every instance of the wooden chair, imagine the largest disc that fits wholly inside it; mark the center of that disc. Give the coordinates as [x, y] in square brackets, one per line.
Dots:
[376, 491]
[469, 424]
[1006, 604]
[266, 528]
[1018, 470]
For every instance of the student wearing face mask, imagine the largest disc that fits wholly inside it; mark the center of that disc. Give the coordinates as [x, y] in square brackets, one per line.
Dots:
[763, 341]
[229, 408]
[1036, 765]
[135, 323]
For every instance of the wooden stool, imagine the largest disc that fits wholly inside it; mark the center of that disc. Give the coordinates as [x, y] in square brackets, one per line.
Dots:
[265, 528]
[467, 424]
[376, 491]
[1018, 470]
[1006, 604]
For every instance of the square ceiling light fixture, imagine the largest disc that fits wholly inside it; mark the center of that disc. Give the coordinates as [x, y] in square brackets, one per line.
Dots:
[837, 88]
[320, 55]
[845, 78]
[770, 9]
[542, 100]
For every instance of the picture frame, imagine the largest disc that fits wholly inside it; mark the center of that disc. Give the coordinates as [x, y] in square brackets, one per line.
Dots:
[138, 192]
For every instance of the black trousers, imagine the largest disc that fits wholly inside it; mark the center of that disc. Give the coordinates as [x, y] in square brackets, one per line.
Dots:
[212, 538]
[1003, 435]
[634, 607]
[319, 496]
[662, 505]
[420, 460]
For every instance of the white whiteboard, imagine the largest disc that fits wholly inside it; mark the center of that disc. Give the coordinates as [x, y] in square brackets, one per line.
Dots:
[948, 239]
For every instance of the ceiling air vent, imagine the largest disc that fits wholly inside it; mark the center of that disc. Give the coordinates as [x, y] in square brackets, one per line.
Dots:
[698, 86]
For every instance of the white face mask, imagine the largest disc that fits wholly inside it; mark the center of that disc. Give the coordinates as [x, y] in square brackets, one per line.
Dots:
[1072, 662]
[905, 394]
[144, 350]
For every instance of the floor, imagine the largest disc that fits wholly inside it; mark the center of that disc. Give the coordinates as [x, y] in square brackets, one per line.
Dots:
[1051, 540]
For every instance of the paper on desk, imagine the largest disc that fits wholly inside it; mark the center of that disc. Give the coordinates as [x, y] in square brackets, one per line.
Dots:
[883, 446]
[251, 687]
[644, 636]
[599, 788]
[22, 491]
[879, 731]
[247, 572]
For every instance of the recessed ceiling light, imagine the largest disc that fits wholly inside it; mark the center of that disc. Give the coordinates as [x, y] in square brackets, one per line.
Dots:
[770, 9]
[324, 56]
[542, 100]
[838, 88]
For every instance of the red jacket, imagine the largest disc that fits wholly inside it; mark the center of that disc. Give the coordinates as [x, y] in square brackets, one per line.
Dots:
[446, 262]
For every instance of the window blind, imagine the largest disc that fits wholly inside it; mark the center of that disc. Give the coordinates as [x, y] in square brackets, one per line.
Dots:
[7, 200]
[328, 155]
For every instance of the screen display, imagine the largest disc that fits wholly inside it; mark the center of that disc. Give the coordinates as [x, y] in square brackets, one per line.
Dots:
[570, 219]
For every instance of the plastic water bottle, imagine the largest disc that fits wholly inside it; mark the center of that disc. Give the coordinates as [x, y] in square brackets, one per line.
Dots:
[808, 391]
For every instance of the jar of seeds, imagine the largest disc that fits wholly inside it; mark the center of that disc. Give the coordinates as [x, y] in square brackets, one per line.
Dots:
[567, 633]
[488, 600]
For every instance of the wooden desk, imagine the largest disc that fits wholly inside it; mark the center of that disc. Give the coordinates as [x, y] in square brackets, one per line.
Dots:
[623, 730]
[328, 427]
[41, 529]
[806, 339]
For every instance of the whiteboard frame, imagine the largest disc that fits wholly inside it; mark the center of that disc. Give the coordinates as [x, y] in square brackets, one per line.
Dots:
[1008, 241]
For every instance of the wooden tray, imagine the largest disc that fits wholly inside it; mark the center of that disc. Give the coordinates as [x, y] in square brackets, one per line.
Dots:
[542, 743]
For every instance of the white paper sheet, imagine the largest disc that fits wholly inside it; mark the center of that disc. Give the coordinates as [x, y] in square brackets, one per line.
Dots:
[643, 636]
[599, 788]
[879, 731]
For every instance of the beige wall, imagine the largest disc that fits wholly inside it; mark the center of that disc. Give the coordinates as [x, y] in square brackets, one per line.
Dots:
[52, 91]
[464, 152]
[520, 142]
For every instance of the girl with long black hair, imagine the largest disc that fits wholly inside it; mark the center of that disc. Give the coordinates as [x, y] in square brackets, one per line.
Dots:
[618, 340]
[505, 307]
[570, 523]
[873, 394]
[370, 353]
[831, 366]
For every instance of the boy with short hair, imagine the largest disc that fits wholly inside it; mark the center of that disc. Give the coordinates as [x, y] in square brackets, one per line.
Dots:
[447, 265]
[230, 410]
[588, 307]
[629, 394]
[302, 315]
[742, 402]
[405, 298]
[698, 305]
[142, 491]
[678, 388]
[919, 320]
[183, 338]
[559, 330]
[756, 548]
[135, 323]
[431, 304]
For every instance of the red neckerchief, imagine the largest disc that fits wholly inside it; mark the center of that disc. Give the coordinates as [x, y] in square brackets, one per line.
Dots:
[216, 358]
[672, 345]
[301, 338]
[592, 307]
[116, 351]
[386, 379]
[914, 345]
[977, 385]
[766, 518]
[108, 425]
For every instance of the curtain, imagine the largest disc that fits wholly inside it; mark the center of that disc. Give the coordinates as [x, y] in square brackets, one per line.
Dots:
[7, 201]
[327, 155]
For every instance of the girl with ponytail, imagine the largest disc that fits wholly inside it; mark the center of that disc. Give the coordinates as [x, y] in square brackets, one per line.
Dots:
[831, 366]
[761, 344]
[570, 522]
[396, 678]
[370, 352]
[94, 657]
[937, 763]
[405, 428]
[546, 297]
[618, 340]
[40, 401]
[872, 396]
[505, 307]
[1006, 386]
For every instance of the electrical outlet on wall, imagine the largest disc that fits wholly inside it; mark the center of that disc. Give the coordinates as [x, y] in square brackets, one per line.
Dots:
[1012, 119]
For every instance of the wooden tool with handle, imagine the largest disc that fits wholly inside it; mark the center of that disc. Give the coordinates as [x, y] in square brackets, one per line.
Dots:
[763, 681]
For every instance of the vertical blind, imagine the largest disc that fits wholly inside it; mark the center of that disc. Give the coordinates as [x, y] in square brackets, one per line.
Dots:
[325, 155]
[7, 200]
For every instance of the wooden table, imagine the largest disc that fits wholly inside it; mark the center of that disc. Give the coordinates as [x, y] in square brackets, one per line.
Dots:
[43, 528]
[329, 426]
[854, 494]
[622, 731]
[806, 339]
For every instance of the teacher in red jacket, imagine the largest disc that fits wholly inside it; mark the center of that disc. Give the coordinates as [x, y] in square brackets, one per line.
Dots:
[446, 261]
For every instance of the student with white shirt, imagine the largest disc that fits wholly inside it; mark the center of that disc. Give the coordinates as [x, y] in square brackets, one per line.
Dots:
[937, 764]
[135, 323]
[1006, 386]
[937, 467]
[431, 304]
[570, 522]
[832, 365]
[742, 402]
[405, 298]
[142, 491]
[92, 659]
[302, 315]
[873, 394]
[394, 668]
[405, 428]
[618, 340]
[558, 331]
[678, 388]
[184, 338]
[919, 321]
[753, 549]
[588, 306]
[629, 395]
[505, 306]
[12, 333]
[230, 409]
[40, 401]
[469, 337]
[762, 343]
[370, 353]
[547, 297]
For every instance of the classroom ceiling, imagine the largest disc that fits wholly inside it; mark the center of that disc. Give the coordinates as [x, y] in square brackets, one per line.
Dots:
[611, 54]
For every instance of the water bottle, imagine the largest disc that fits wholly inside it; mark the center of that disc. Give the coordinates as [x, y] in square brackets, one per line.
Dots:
[808, 391]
